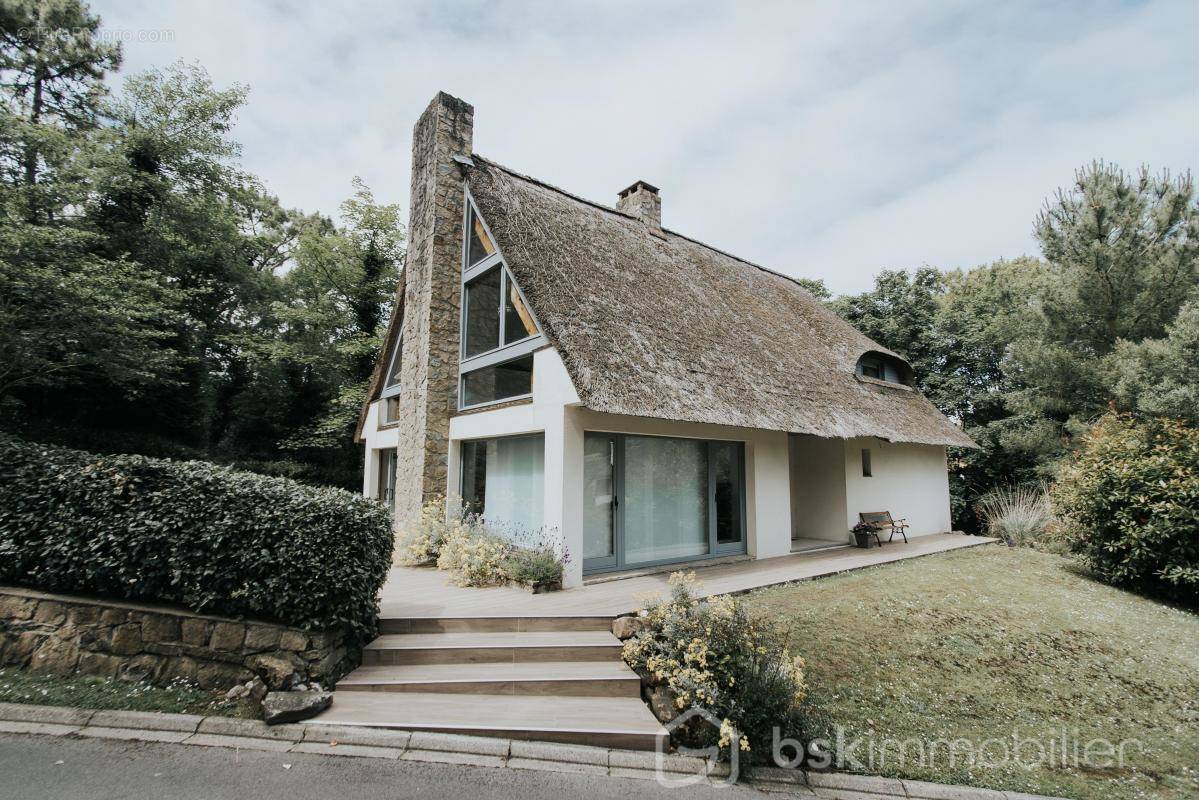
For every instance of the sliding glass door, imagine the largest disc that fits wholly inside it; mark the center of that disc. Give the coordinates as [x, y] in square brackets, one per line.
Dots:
[655, 500]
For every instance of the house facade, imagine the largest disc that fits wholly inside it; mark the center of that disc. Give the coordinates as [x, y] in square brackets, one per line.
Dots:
[578, 373]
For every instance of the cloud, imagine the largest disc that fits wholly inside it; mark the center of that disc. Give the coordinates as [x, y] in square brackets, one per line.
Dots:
[823, 140]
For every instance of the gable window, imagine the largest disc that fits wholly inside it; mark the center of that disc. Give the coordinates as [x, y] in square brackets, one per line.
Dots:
[390, 410]
[499, 331]
[482, 330]
[391, 380]
[492, 384]
[867, 471]
[479, 244]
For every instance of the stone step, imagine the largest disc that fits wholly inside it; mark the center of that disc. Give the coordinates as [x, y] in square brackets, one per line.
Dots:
[492, 647]
[561, 678]
[622, 722]
[492, 624]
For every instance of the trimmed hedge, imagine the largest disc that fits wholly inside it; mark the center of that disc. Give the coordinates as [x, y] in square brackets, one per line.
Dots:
[216, 540]
[1129, 502]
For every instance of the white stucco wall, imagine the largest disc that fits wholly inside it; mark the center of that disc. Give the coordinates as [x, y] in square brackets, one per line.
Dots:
[549, 413]
[376, 439]
[909, 480]
[819, 478]
[818, 488]
[555, 411]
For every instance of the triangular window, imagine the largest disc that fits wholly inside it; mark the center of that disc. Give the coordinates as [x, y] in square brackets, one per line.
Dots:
[496, 313]
[479, 245]
[518, 322]
[391, 381]
[499, 331]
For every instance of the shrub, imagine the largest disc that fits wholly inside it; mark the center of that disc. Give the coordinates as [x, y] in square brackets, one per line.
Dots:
[420, 540]
[1022, 514]
[712, 654]
[1129, 501]
[474, 551]
[533, 567]
[474, 556]
[207, 537]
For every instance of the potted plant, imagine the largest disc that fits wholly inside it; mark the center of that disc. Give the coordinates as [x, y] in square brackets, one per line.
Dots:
[862, 533]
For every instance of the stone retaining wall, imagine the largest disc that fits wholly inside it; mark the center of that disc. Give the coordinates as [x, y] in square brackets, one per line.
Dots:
[67, 634]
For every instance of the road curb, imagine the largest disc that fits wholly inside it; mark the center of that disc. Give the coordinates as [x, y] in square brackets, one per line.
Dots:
[479, 751]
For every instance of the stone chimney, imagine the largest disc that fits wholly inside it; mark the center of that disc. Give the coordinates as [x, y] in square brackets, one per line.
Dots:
[643, 201]
[432, 289]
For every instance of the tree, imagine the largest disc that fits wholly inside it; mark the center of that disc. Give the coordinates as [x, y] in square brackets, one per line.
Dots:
[900, 314]
[816, 288]
[1160, 377]
[1123, 254]
[69, 317]
[52, 66]
[331, 324]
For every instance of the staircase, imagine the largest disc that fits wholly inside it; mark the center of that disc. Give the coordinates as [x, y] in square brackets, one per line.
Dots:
[555, 679]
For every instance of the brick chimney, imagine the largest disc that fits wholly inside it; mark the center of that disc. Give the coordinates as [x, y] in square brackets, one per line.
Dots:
[643, 201]
[432, 289]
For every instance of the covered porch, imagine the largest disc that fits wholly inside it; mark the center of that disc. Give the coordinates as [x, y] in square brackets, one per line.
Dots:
[427, 593]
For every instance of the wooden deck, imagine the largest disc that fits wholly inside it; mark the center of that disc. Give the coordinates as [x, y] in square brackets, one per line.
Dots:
[425, 592]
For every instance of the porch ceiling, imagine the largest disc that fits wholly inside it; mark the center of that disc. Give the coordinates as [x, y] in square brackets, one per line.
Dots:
[412, 592]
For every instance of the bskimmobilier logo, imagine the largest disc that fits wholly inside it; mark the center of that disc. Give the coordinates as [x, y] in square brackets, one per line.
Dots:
[710, 755]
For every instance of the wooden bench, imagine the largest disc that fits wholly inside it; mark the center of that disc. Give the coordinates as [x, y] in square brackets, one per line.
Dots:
[881, 520]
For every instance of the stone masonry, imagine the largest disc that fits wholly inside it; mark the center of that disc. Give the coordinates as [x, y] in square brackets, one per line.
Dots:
[432, 277]
[65, 635]
[642, 201]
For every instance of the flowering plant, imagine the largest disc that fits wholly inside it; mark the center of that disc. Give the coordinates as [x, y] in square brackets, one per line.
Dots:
[476, 552]
[712, 654]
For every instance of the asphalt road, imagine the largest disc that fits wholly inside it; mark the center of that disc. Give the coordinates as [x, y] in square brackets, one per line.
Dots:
[54, 768]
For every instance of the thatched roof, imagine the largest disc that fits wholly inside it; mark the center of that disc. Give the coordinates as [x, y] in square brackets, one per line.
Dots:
[664, 326]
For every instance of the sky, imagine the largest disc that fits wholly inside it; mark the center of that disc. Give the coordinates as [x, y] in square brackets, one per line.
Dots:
[823, 140]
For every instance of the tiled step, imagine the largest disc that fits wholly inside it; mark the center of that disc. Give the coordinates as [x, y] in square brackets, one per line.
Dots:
[491, 647]
[623, 722]
[492, 624]
[572, 678]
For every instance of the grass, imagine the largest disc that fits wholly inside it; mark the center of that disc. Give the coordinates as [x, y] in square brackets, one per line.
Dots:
[21, 686]
[984, 643]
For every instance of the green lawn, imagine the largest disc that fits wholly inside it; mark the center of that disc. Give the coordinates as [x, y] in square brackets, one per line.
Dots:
[989, 642]
[20, 686]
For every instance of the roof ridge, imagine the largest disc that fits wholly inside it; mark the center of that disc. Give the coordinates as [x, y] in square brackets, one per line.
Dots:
[618, 212]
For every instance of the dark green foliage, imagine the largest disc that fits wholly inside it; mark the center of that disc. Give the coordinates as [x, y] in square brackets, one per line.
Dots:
[207, 537]
[1130, 504]
[142, 268]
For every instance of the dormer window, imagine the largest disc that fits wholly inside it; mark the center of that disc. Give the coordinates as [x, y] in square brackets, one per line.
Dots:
[884, 367]
[499, 331]
[872, 368]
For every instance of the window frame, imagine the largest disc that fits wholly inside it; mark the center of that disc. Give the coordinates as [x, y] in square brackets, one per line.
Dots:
[616, 561]
[867, 463]
[482, 440]
[385, 477]
[390, 387]
[506, 351]
[386, 420]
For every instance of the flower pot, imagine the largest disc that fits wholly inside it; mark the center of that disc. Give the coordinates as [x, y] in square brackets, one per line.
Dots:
[862, 539]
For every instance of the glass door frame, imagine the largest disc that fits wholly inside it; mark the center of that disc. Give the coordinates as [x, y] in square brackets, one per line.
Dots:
[616, 561]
